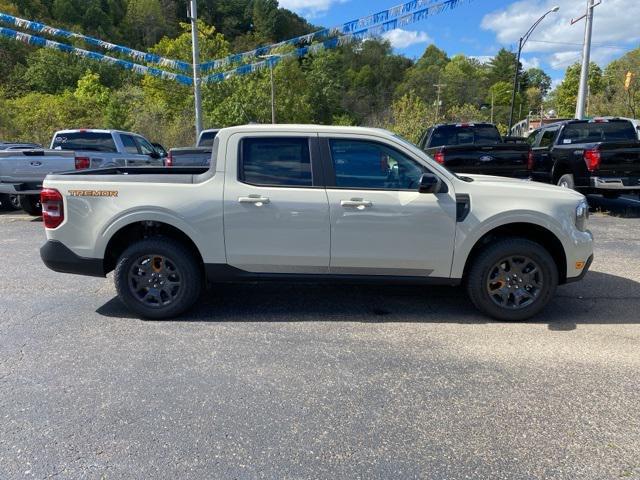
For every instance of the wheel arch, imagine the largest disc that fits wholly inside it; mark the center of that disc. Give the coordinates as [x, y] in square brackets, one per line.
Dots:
[530, 231]
[139, 230]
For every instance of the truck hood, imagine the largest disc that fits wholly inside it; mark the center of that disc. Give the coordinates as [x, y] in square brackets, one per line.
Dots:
[526, 186]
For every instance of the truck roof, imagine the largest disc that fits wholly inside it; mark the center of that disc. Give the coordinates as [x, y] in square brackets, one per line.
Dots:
[95, 130]
[304, 129]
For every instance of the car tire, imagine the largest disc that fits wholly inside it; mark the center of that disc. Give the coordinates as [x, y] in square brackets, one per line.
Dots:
[31, 205]
[567, 181]
[158, 278]
[9, 202]
[501, 278]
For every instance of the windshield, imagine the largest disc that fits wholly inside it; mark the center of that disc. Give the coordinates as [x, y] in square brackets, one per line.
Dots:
[91, 141]
[591, 132]
[464, 134]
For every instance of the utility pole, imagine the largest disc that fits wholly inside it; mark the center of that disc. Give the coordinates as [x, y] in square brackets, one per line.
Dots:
[586, 54]
[268, 58]
[193, 16]
[438, 86]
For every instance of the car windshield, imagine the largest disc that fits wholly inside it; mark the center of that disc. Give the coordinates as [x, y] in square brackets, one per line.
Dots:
[591, 132]
[91, 141]
[464, 134]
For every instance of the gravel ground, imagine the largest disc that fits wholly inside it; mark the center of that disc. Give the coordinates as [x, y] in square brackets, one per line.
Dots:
[286, 381]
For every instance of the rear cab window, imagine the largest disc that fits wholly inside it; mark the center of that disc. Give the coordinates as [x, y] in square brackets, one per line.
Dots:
[464, 134]
[598, 131]
[276, 162]
[89, 141]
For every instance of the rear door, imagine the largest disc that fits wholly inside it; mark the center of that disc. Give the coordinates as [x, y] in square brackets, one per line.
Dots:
[132, 152]
[380, 223]
[276, 212]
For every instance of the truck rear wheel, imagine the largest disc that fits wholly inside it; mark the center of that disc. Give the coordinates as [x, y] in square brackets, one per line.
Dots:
[31, 205]
[567, 181]
[158, 278]
[513, 279]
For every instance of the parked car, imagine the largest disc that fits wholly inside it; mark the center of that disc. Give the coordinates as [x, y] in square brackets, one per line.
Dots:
[108, 148]
[22, 173]
[188, 157]
[291, 202]
[12, 202]
[476, 148]
[593, 156]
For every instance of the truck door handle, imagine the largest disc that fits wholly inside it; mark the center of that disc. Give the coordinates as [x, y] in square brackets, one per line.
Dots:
[36, 164]
[257, 200]
[358, 203]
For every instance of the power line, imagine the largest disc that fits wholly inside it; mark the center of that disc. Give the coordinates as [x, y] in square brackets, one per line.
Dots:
[578, 44]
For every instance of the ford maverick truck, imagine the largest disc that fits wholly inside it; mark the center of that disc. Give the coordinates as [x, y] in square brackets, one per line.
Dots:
[296, 202]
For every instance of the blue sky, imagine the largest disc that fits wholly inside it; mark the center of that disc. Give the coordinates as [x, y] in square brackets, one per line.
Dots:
[480, 27]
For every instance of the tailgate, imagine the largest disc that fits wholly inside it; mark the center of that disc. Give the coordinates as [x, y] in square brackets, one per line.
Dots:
[31, 166]
[619, 159]
[508, 160]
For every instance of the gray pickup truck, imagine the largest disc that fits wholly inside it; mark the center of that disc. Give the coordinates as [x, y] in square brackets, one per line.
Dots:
[108, 148]
[198, 156]
[22, 171]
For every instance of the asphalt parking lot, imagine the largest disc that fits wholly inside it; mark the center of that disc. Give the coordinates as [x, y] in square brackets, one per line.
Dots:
[303, 381]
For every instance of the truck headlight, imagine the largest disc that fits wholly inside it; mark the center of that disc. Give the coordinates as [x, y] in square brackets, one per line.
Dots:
[582, 215]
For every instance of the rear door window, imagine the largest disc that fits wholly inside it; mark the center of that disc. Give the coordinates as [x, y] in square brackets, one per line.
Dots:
[129, 144]
[89, 141]
[282, 162]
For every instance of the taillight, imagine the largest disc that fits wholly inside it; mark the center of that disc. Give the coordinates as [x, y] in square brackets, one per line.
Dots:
[82, 163]
[52, 208]
[439, 157]
[168, 161]
[530, 161]
[592, 159]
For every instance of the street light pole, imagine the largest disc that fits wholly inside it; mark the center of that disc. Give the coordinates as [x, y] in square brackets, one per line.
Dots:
[521, 44]
[583, 91]
[193, 16]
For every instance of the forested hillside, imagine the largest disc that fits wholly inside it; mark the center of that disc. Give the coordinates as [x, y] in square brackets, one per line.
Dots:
[43, 90]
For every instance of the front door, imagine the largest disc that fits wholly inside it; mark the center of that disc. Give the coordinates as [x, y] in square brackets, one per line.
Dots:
[276, 212]
[380, 223]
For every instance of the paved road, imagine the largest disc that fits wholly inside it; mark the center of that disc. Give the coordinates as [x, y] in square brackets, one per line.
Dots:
[273, 381]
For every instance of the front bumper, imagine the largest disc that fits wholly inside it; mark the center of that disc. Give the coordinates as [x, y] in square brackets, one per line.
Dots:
[59, 258]
[585, 270]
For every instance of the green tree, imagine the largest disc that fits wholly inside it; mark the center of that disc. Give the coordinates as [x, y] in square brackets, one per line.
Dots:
[145, 21]
[536, 77]
[566, 94]
[411, 116]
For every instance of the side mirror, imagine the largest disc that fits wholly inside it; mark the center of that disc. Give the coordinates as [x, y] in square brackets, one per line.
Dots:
[429, 183]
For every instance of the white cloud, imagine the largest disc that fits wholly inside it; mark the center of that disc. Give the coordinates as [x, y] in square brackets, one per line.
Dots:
[614, 29]
[400, 38]
[309, 8]
[527, 63]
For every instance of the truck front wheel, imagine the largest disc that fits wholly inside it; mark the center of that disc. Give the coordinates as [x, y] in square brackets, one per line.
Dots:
[158, 278]
[513, 279]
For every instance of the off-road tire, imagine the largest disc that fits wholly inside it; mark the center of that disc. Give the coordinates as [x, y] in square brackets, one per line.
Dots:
[184, 260]
[477, 277]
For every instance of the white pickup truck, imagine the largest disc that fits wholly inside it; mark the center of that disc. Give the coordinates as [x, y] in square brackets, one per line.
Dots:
[292, 202]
